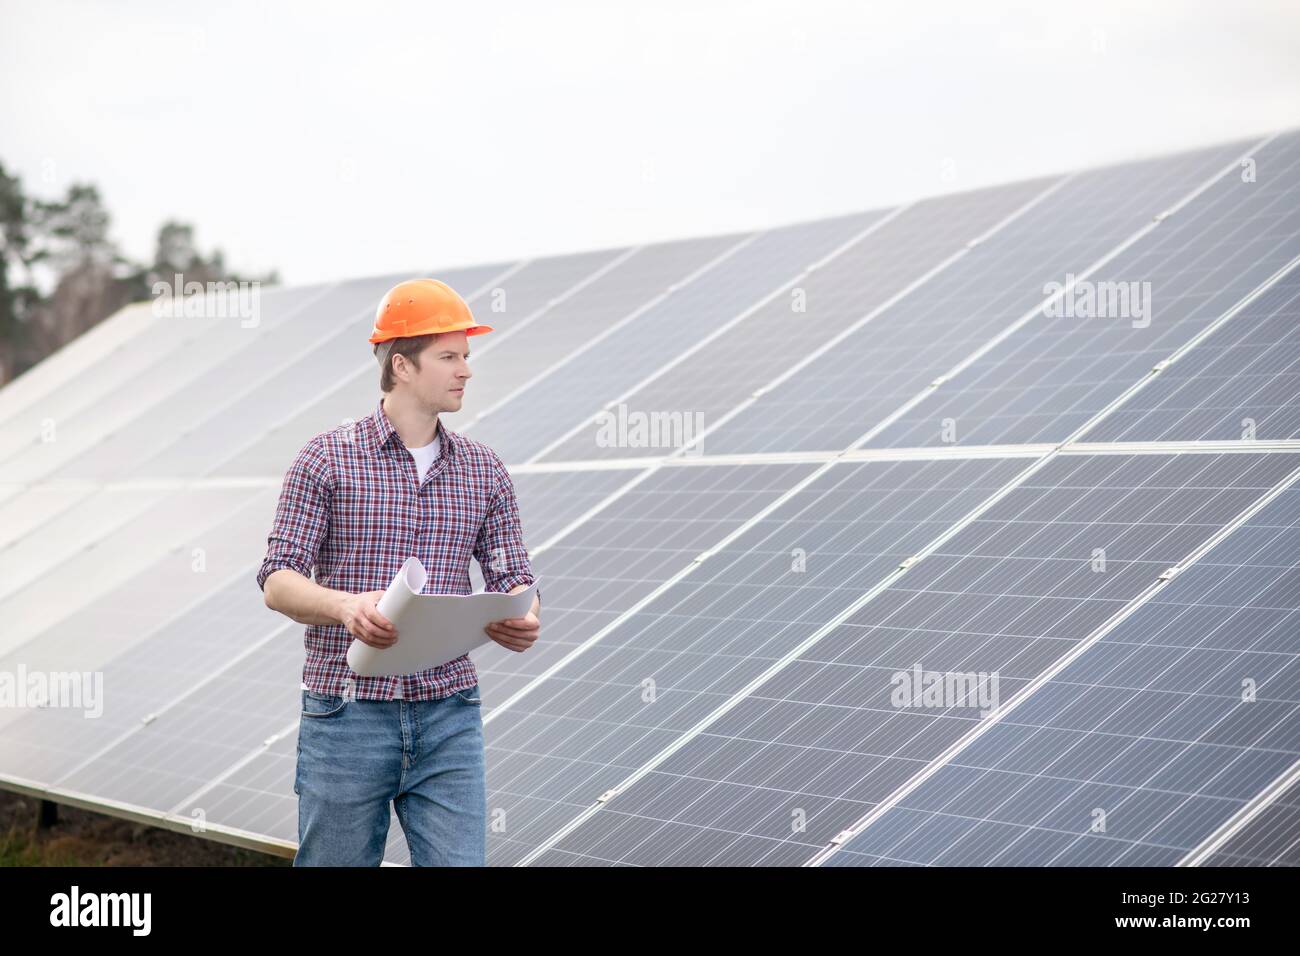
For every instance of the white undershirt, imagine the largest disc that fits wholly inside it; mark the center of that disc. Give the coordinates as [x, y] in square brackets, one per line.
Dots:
[424, 457]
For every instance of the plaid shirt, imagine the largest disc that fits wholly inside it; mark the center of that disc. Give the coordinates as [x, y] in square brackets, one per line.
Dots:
[353, 507]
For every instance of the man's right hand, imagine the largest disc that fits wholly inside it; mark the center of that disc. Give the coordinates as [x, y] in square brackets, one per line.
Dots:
[360, 615]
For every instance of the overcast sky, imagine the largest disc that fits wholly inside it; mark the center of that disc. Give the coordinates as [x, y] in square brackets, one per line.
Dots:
[338, 141]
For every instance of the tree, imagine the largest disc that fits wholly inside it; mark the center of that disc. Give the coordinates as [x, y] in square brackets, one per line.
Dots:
[18, 294]
[91, 278]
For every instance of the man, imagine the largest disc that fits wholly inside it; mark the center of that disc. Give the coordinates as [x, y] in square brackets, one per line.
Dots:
[357, 501]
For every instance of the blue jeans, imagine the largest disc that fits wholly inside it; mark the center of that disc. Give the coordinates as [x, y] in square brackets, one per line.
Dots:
[355, 757]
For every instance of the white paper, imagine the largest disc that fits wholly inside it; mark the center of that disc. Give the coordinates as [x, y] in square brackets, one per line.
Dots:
[432, 629]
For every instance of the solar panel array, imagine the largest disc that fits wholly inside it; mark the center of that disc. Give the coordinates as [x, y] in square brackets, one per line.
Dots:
[974, 537]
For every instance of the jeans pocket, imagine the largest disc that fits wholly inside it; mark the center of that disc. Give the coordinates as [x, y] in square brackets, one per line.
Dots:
[322, 705]
[469, 695]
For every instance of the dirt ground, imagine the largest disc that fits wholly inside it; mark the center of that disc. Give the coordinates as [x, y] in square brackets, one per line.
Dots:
[83, 838]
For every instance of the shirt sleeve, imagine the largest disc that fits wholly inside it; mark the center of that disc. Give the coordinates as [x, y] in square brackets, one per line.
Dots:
[499, 548]
[302, 516]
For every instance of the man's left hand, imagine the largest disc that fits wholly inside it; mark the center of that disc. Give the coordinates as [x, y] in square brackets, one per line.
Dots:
[517, 633]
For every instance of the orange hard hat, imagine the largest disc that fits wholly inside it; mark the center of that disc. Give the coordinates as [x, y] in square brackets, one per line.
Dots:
[423, 307]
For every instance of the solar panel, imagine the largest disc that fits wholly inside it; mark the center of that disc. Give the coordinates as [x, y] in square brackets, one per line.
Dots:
[725, 622]
[1270, 838]
[1142, 746]
[544, 411]
[1054, 373]
[29, 506]
[822, 741]
[598, 719]
[952, 315]
[1241, 384]
[511, 299]
[551, 500]
[257, 791]
[615, 296]
[860, 276]
[143, 674]
[104, 357]
[95, 568]
[169, 624]
[618, 557]
[55, 371]
[131, 379]
[163, 761]
[6, 492]
[43, 382]
[208, 412]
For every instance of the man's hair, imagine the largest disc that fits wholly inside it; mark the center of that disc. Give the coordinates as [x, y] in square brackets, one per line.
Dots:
[409, 346]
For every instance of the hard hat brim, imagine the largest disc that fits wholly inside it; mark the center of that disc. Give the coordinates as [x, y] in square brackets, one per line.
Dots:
[376, 338]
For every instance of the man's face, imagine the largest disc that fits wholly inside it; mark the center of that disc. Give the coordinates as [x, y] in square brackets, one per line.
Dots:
[439, 383]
